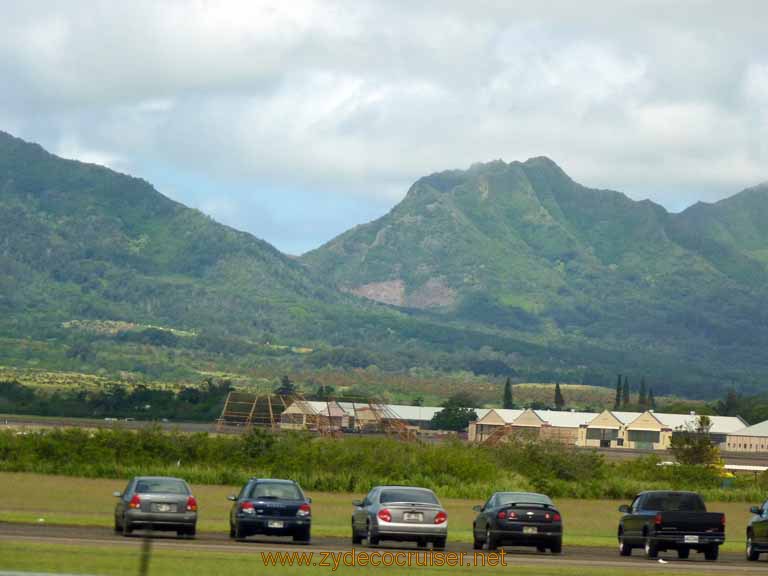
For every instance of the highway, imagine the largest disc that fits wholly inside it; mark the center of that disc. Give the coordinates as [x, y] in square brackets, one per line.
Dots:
[729, 563]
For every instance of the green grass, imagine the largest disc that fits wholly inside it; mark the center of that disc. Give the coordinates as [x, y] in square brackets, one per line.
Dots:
[124, 560]
[89, 502]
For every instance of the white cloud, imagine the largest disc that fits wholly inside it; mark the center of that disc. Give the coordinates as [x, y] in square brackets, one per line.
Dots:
[665, 100]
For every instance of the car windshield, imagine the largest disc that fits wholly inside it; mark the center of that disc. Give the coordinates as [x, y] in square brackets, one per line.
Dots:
[276, 491]
[506, 498]
[408, 495]
[161, 486]
[670, 502]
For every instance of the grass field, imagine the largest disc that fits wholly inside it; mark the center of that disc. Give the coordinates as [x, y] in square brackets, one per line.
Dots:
[85, 501]
[125, 560]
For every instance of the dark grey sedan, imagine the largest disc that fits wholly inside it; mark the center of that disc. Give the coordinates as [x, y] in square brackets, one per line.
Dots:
[400, 513]
[271, 507]
[156, 503]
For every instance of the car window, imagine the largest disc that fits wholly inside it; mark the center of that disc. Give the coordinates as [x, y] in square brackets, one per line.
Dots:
[407, 495]
[161, 486]
[672, 502]
[505, 498]
[635, 506]
[276, 491]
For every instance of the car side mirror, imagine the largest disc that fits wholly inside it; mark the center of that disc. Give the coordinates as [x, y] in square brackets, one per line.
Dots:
[358, 503]
[232, 497]
[624, 509]
[477, 508]
[117, 494]
[756, 510]
[309, 500]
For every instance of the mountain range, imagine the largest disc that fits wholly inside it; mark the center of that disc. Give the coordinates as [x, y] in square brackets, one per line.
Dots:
[504, 268]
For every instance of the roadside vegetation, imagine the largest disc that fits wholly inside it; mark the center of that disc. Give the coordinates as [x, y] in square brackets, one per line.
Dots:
[354, 464]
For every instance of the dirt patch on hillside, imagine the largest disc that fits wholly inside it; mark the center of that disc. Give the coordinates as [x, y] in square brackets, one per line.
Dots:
[388, 292]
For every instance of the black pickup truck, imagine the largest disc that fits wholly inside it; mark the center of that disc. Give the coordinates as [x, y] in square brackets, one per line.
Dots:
[666, 520]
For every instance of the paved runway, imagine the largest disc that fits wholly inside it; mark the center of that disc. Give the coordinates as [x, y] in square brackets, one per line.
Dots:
[586, 557]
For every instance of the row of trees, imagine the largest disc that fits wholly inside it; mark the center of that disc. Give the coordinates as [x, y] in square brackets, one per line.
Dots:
[623, 400]
[508, 400]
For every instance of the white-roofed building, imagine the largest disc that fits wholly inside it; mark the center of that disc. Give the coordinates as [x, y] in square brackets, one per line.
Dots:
[304, 414]
[649, 430]
[749, 439]
[562, 426]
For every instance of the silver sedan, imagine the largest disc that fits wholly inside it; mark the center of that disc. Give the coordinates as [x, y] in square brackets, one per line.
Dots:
[156, 503]
[400, 513]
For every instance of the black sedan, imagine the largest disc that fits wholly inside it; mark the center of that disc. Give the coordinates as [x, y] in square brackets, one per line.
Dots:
[271, 507]
[518, 519]
[757, 532]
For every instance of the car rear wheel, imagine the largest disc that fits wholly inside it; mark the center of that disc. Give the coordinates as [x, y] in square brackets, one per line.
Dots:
[301, 535]
[557, 546]
[752, 554]
[439, 544]
[624, 548]
[490, 541]
[683, 553]
[239, 534]
[370, 538]
[356, 538]
[712, 552]
[127, 529]
[651, 550]
[477, 544]
[117, 525]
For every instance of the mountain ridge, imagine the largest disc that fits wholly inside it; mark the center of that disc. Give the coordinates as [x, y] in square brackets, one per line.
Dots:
[503, 268]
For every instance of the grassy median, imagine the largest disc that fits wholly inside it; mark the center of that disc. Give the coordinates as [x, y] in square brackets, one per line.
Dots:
[125, 560]
[89, 502]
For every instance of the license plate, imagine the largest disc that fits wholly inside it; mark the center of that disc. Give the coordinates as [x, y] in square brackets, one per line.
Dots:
[691, 539]
[412, 517]
[274, 523]
[165, 508]
[530, 530]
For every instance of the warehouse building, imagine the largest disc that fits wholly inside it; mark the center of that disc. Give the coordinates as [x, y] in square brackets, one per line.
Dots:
[749, 439]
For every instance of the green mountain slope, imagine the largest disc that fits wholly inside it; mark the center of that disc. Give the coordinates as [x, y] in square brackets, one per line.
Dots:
[81, 241]
[503, 269]
[522, 246]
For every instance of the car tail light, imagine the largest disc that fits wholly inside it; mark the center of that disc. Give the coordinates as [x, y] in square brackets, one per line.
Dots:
[385, 515]
[135, 502]
[247, 507]
[441, 518]
[304, 510]
[657, 520]
[191, 504]
[502, 515]
[556, 517]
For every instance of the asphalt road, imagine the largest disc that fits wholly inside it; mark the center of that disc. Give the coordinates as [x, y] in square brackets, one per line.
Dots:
[729, 563]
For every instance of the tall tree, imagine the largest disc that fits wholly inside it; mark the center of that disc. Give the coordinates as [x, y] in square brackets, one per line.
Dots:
[509, 401]
[642, 399]
[286, 387]
[559, 400]
[625, 393]
[694, 445]
[651, 400]
[617, 401]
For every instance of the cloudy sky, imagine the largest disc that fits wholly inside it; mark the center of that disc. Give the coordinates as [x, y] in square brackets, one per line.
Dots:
[298, 119]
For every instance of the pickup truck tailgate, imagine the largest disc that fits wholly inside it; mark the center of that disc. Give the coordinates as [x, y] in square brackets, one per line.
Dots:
[691, 522]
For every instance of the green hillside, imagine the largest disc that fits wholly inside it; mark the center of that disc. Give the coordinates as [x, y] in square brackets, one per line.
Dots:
[522, 247]
[501, 270]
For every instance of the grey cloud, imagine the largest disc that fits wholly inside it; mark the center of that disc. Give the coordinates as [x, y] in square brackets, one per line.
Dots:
[661, 99]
